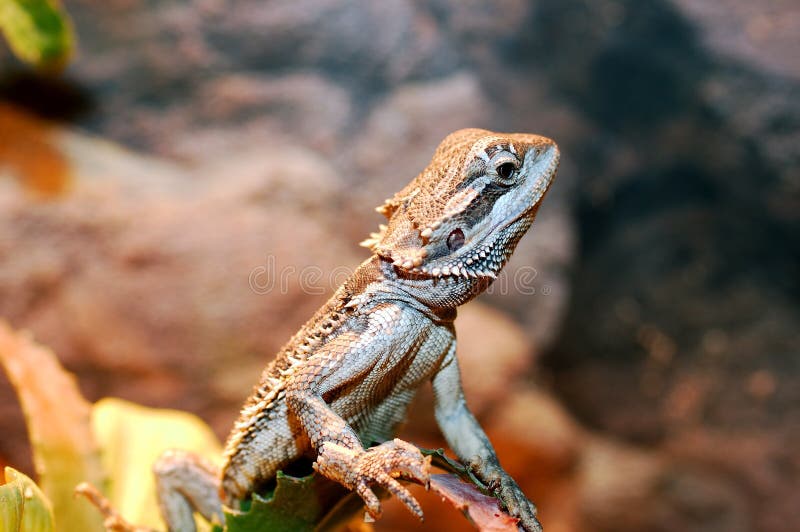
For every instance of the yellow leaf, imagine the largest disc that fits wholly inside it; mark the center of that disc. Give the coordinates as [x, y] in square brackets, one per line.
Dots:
[131, 438]
[57, 416]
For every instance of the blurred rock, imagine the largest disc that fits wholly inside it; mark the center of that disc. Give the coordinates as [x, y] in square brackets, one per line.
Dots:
[493, 353]
[757, 465]
[584, 481]
[401, 131]
[539, 437]
[174, 285]
[535, 284]
[760, 33]
[623, 489]
[343, 34]
[305, 109]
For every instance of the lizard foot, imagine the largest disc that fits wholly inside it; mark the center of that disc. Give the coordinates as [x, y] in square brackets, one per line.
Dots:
[380, 465]
[518, 504]
[510, 494]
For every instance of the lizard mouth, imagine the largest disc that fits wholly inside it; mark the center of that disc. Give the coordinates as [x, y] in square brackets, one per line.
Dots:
[485, 259]
[482, 260]
[491, 248]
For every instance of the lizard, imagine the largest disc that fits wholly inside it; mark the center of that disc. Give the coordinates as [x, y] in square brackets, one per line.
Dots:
[344, 381]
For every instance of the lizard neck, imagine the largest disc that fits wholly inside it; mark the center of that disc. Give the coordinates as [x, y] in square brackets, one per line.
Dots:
[378, 279]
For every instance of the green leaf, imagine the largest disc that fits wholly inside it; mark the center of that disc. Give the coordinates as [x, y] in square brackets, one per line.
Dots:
[23, 506]
[296, 504]
[38, 32]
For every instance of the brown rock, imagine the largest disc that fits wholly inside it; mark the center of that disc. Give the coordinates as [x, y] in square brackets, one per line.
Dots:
[494, 354]
[254, 111]
[536, 433]
[398, 137]
[168, 286]
[625, 489]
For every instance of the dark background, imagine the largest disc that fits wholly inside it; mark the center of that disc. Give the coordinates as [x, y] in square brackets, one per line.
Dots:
[665, 328]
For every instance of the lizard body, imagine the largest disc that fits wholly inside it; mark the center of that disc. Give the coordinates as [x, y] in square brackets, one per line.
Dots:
[340, 388]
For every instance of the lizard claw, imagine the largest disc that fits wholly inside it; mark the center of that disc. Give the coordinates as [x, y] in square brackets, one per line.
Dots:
[380, 465]
[518, 504]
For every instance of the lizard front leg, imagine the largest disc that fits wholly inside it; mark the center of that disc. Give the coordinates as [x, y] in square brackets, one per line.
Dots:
[342, 364]
[470, 443]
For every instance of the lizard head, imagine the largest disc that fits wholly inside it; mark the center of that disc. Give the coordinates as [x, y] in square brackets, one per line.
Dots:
[464, 214]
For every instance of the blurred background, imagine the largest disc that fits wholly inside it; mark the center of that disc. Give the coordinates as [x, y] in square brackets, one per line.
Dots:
[163, 200]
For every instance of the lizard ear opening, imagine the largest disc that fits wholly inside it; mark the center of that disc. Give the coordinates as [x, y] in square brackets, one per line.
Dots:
[455, 239]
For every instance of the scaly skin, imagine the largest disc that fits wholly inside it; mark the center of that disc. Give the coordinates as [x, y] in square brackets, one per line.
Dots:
[343, 383]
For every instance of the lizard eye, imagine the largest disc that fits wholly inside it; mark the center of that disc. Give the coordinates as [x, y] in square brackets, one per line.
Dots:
[455, 239]
[506, 171]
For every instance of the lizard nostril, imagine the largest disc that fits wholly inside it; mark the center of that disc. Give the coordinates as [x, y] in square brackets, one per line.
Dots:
[455, 239]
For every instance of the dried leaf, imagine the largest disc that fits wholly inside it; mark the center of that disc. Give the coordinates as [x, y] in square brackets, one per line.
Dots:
[484, 511]
[57, 416]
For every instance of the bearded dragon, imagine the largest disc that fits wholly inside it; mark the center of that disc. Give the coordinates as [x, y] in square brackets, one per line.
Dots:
[339, 389]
